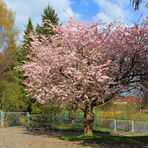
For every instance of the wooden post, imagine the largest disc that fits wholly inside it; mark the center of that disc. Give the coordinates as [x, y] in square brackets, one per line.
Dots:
[28, 117]
[52, 121]
[132, 124]
[2, 119]
[115, 125]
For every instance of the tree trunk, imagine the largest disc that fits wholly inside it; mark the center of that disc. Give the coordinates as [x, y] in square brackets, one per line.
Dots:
[88, 120]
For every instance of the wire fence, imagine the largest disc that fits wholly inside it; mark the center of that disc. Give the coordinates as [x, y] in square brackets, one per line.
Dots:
[8, 119]
[44, 121]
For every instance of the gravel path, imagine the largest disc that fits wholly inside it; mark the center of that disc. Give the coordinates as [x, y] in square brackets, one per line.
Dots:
[20, 138]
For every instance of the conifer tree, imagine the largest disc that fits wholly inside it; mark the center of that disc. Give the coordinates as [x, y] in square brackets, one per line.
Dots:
[26, 41]
[22, 56]
[49, 14]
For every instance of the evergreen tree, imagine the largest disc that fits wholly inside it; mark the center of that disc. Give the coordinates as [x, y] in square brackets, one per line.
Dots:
[26, 41]
[29, 29]
[49, 14]
[22, 56]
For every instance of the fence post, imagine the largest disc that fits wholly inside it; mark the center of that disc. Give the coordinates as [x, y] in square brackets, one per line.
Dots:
[115, 125]
[132, 124]
[52, 121]
[2, 119]
[28, 117]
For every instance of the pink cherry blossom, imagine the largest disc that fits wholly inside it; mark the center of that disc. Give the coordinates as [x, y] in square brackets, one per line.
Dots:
[83, 62]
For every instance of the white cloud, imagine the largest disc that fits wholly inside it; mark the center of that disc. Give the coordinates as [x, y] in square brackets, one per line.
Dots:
[34, 8]
[64, 10]
[102, 16]
[112, 10]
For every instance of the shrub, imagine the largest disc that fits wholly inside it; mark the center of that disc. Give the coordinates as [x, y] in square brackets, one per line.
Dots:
[23, 120]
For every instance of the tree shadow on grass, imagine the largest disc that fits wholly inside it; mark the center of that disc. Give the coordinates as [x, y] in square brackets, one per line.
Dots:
[59, 132]
[110, 141]
[101, 139]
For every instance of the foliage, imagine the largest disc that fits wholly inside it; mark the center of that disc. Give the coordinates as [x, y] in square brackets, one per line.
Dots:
[9, 99]
[21, 57]
[23, 120]
[127, 111]
[136, 3]
[40, 121]
[49, 14]
[8, 32]
[50, 108]
[26, 42]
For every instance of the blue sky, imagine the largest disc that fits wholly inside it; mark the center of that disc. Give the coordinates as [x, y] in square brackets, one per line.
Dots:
[93, 10]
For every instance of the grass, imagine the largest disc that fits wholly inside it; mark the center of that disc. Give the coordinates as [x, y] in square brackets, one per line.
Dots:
[101, 129]
[105, 135]
[108, 138]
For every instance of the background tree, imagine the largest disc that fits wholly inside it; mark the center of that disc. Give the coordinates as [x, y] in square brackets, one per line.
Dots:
[8, 34]
[26, 42]
[9, 99]
[21, 58]
[49, 14]
[136, 4]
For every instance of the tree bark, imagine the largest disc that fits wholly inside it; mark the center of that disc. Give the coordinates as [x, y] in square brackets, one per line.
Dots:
[88, 120]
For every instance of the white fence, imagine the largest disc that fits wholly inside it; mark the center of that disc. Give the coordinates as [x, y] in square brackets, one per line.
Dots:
[123, 125]
[42, 120]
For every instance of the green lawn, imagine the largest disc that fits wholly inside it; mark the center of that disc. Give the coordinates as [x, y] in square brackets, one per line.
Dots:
[108, 138]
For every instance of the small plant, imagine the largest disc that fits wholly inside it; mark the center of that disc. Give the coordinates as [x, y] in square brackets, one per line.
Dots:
[22, 120]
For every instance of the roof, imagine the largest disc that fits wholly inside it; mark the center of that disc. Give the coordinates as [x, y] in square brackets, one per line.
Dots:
[128, 99]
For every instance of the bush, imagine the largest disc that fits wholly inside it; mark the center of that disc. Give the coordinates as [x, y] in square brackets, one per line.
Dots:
[23, 120]
[40, 121]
